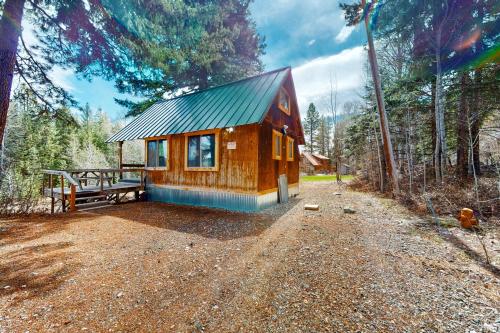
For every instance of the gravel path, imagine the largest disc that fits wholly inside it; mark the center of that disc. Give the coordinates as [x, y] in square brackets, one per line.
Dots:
[159, 268]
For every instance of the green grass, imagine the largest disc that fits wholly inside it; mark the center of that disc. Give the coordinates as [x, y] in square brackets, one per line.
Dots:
[325, 178]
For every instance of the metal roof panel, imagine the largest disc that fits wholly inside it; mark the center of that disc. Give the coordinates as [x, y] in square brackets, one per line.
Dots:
[238, 103]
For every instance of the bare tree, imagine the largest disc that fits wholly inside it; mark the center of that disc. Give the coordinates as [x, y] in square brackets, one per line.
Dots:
[332, 107]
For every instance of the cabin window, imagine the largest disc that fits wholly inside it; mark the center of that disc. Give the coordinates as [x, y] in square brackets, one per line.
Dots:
[201, 152]
[284, 101]
[289, 149]
[277, 144]
[157, 153]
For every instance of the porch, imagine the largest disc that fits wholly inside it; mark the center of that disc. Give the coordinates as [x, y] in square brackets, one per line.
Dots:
[86, 189]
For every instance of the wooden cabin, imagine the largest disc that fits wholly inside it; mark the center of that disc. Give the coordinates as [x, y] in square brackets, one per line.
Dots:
[223, 147]
[313, 163]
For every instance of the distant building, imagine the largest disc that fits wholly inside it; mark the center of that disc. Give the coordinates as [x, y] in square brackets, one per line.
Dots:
[345, 169]
[312, 163]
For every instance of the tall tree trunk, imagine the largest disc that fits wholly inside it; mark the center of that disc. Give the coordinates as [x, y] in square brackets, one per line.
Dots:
[408, 148]
[475, 109]
[203, 79]
[462, 167]
[337, 153]
[384, 181]
[10, 30]
[384, 126]
[381, 162]
[311, 138]
[338, 161]
[440, 148]
[433, 126]
[475, 119]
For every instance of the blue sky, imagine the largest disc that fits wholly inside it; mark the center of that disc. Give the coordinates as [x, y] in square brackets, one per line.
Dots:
[308, 35]
[299, 31]
[311, 36]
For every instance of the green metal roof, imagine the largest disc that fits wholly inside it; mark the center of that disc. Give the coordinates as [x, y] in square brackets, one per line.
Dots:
[238, 103]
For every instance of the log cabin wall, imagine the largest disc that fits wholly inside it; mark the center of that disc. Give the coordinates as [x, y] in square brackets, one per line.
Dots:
[270, 169]
[237, 168]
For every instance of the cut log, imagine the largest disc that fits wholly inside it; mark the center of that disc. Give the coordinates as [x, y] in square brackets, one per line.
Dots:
[348, 210]
[311, 207]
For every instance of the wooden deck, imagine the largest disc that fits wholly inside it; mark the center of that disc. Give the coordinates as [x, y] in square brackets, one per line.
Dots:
[119, 187]
[73, 191]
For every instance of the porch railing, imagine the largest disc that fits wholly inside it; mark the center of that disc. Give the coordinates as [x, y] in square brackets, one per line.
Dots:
[72, 185]
[78, 179]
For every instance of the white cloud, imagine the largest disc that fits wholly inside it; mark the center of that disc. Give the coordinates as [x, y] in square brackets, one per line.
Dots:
[344, 33]
[312, 79]
[62, 78]
[311, 42]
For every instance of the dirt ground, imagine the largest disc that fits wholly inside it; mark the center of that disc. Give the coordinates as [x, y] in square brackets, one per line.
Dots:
[159, 268]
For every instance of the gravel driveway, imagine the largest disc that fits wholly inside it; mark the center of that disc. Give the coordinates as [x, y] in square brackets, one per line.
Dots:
[158, 268]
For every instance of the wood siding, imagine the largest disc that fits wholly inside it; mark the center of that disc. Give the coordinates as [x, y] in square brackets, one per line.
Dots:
[237, 168]
[270, 169]
[250, 168]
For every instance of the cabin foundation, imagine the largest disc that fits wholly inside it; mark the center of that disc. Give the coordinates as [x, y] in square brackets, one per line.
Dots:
[244, 202]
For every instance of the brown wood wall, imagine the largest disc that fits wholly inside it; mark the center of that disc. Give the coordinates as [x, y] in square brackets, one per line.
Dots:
[237, 168]
[248, 168]
[270, 169]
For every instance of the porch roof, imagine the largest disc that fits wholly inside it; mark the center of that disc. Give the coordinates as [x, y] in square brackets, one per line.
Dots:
[238, 103]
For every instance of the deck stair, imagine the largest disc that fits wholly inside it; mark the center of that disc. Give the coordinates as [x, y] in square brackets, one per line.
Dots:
[93, 205]
[92, 202]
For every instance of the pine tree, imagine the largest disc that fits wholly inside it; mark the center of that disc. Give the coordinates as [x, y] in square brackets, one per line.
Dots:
[148, 47]
[31, 145]
[311, 126]
[222, 45]
[323, 137]
[91, 149]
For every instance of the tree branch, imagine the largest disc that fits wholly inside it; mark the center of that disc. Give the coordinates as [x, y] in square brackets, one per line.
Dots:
[21, 74]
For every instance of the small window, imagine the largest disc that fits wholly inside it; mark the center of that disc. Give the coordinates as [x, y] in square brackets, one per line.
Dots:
[201, 152]
[284, 101]
[289, 149]
[162, 153]
[277, 145]
[157, 153]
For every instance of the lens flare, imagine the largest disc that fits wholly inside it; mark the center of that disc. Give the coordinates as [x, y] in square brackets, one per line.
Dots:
[463, 51]
[469, 41]
[372, 10]
[490, 56]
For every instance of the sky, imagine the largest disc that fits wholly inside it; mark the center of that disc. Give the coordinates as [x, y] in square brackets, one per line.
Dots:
[310, 36]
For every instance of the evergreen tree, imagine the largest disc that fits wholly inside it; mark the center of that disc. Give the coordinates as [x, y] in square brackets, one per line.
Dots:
[31, 145]
[323, 137]
[147, 47]
[311, 125]
[221, 45]
[91, 149]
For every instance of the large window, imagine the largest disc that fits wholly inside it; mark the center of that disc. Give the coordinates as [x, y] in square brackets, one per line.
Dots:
[284, 101]
[157, 154]
[201, 152]
[289, 149]
[277, 145]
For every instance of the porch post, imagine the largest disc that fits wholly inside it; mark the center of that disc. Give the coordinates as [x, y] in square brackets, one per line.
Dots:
[120, 157]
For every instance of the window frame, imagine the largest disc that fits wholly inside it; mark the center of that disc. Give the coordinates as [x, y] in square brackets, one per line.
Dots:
[289, 141]
[216, 150]
[281, 106]
[167, 162]
[280, 135]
